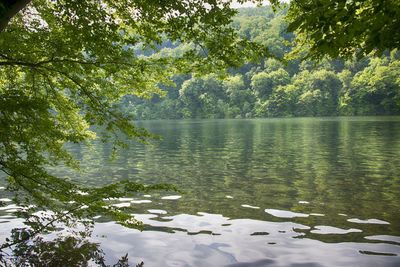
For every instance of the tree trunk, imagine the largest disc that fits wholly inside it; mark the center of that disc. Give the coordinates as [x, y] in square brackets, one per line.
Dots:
[8, 9]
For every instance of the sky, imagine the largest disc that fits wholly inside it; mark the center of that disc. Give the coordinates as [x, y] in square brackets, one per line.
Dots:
[237, 5]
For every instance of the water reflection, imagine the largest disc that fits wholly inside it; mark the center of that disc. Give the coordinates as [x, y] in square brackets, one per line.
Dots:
[278, 192]
[205, 239]
[325, 166]
[214, 240]
[60, 251]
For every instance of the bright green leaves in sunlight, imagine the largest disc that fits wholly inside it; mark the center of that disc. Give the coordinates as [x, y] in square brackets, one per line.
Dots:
[343, 28]
[65, 64]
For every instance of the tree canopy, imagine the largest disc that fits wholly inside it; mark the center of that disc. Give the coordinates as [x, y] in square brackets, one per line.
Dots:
[343, 28]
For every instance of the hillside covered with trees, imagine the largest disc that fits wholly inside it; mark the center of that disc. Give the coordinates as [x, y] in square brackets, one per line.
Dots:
[274, 87]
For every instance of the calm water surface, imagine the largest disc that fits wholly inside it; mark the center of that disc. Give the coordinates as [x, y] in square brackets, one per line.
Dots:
[270, 192]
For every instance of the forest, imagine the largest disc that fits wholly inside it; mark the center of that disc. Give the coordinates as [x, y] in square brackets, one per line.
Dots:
[282, 85]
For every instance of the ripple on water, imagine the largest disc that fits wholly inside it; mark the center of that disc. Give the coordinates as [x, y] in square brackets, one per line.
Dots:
[171, 197]
[326, 230]
[367, 221]
[158, 211]
[242, 243]
[285, 213]
[10, 207]
[303, 202]
[376, 253]
[317, 214]
[249, 206]
[122, 205]
[125, 199]
[386, 238]
[141, 201]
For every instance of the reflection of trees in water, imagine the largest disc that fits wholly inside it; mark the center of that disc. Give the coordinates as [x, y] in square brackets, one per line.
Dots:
[344, 164]
[338, 165]
[72, 250]
[56, 243]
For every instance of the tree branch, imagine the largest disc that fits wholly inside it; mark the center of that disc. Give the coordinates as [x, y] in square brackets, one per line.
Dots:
[9, 10]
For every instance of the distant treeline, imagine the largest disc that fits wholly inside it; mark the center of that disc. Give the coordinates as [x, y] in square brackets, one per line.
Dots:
[370, 86]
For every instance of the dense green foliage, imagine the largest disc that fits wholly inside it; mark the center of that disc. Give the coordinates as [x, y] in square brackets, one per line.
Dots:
[368, 86]
[344, 28]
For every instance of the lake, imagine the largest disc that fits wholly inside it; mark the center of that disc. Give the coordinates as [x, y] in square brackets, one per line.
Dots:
[256, 192]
